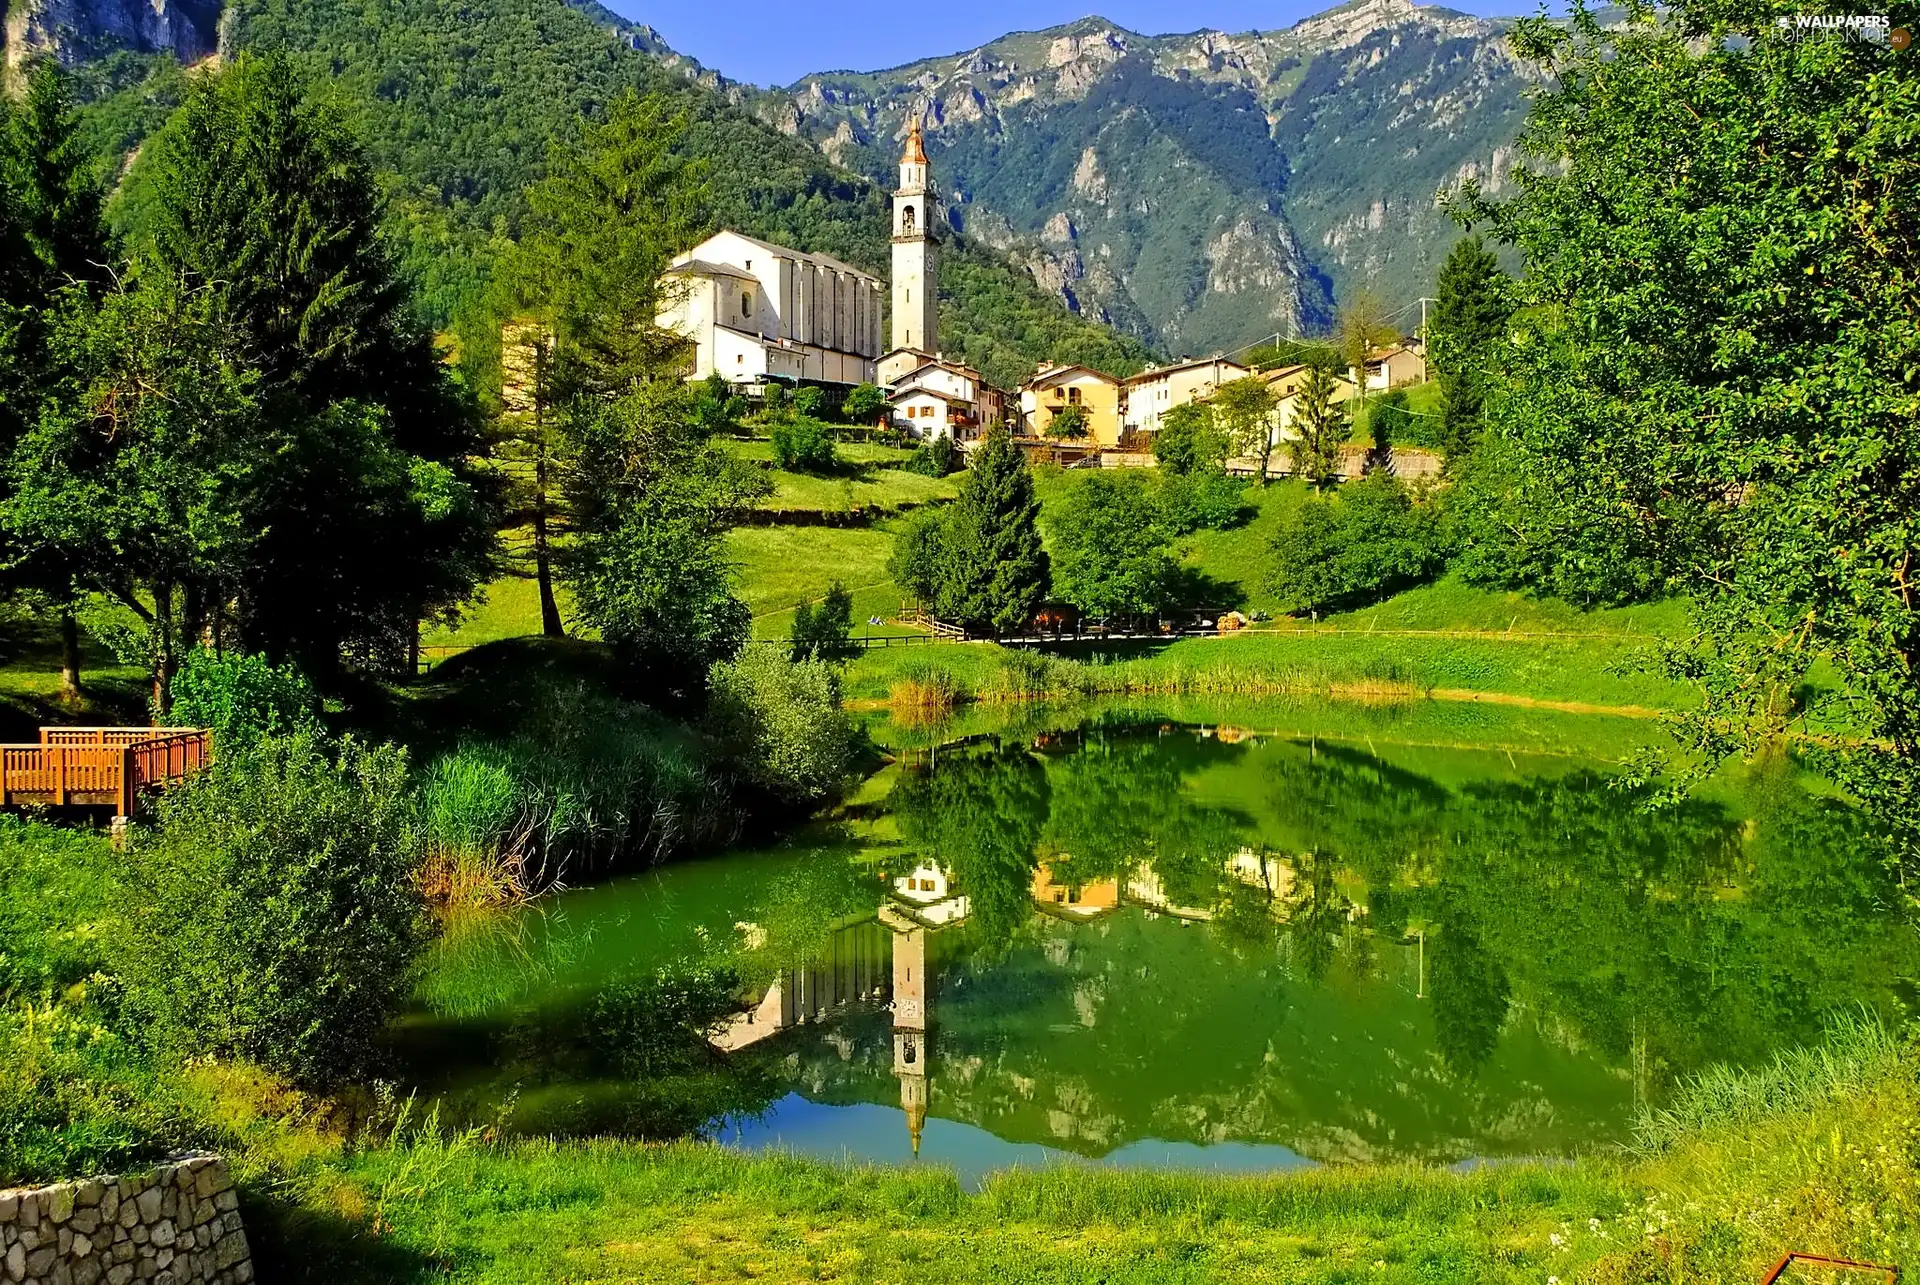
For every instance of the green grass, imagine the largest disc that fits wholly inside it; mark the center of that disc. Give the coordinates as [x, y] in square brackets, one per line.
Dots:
[509, 608]
[1827, 1165]
[111, 692]
[1588, 671]
[868, 478]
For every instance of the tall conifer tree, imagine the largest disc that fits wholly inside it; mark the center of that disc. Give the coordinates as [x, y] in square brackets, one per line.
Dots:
[1469, 318]
[996, 570]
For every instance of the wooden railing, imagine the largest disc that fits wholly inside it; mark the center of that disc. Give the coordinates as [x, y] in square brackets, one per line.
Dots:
[100, 766]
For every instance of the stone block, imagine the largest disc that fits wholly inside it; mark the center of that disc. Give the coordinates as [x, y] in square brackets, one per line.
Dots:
[31, 1238]
[64, 1242]
[231, 1249]
[9, 1205]
[39, 1260]
[169, 1202]
[88, 1271]
[164, 1233]
[140, 1235]
[60, 1202]
[163, 1260]
[89, 1192]
[82, 1247]
[120, 1274]
[244, 1272]
[85, 1220]
[226, 1201]
[16, 1263]
[149, 1205]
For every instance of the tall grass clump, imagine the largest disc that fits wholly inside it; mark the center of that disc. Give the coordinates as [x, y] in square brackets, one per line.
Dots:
[476, 832]
[1858, 1053]
[925, 693]
[587, 783]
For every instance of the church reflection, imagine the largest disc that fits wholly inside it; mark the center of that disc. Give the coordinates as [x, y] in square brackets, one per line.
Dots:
[886, 964]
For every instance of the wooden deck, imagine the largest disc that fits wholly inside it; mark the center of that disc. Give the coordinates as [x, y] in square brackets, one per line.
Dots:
[100, 766]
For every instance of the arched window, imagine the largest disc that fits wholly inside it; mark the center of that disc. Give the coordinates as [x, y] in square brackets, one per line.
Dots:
[906, 221]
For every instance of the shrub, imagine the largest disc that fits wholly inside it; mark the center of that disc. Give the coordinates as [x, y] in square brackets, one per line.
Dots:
[1200, 501]
[917, 563]
[75, 1098]
[271, 915]
[240, 697]
[780, 722]
[933, 458]
[824, 632]
[1365, 542]
[803, 444]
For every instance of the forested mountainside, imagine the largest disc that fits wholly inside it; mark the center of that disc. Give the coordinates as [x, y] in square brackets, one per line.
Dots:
[1198, 190]
[459, 103]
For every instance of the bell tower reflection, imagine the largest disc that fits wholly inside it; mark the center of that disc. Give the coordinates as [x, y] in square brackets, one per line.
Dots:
[910, 1020]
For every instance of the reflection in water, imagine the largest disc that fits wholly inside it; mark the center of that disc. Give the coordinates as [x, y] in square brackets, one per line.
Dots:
[1138, 942]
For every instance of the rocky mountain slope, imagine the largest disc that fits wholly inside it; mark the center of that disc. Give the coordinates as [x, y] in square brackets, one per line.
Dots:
[459, 106]
[80, 29]
[1198, 190]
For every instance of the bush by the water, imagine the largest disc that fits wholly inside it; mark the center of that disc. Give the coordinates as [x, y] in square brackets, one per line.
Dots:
[780, 722]
[585, 782]
[271, 915]
[1366, 541]
[240, 697]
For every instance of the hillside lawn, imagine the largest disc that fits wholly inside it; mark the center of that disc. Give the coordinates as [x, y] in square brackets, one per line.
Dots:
[869, 477]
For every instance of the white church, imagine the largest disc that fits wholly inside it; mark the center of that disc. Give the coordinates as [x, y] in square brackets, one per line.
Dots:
[754, 311]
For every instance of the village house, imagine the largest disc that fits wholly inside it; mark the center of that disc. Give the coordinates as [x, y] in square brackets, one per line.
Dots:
[1054, 388]
[1393, 367]
[1152, 393]
[754, 310]
[940, 398]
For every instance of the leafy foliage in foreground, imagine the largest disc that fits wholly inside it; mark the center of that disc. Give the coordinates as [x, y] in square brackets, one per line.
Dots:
[272, 915]
[1710, 391]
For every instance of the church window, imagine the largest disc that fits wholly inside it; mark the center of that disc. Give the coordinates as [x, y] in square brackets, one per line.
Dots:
[746, 304]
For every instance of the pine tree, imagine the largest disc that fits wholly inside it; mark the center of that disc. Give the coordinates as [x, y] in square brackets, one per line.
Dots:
[1469, 318]
[1320, 425]
[259, 201]
[61, 244]
[995, 570]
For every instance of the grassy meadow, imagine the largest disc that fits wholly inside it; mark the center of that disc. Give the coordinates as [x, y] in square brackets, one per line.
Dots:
[1814, 1152]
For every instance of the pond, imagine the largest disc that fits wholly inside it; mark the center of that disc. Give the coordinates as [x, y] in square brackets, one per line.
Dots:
[1258, 941]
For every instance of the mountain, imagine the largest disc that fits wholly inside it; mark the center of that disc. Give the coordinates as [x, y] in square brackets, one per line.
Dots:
[1198, 190]
[459, 106]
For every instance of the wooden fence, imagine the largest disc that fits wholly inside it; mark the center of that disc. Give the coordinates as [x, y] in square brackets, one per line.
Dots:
[100, 766]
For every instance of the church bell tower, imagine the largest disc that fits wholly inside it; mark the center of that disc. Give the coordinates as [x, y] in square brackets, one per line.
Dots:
[915, 252]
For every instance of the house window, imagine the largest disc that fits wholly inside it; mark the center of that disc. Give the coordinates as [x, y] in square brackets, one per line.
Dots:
[746, 304]
[1073, 395]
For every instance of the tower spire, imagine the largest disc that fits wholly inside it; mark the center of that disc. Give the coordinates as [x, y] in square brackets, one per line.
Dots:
[916, 153]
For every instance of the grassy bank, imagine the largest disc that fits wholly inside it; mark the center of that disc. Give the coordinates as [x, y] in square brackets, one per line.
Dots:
[1597, 670]
[1816, 1153]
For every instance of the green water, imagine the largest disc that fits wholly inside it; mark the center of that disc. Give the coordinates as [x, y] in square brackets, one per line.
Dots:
[1146, 942]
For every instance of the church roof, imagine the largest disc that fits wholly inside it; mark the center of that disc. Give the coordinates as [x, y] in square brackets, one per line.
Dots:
[704, 268]
[915, 154]
[781, 251]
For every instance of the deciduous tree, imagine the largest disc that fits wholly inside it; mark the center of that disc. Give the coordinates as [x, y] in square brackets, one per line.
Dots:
[1243, 409]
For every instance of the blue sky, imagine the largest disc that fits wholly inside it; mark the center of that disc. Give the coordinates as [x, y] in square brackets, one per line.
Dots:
[775, 42]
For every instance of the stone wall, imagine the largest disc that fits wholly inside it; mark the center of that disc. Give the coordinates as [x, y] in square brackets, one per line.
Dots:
[178, 1224]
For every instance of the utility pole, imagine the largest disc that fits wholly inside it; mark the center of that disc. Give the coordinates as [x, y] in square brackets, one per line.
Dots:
[1424, 301]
